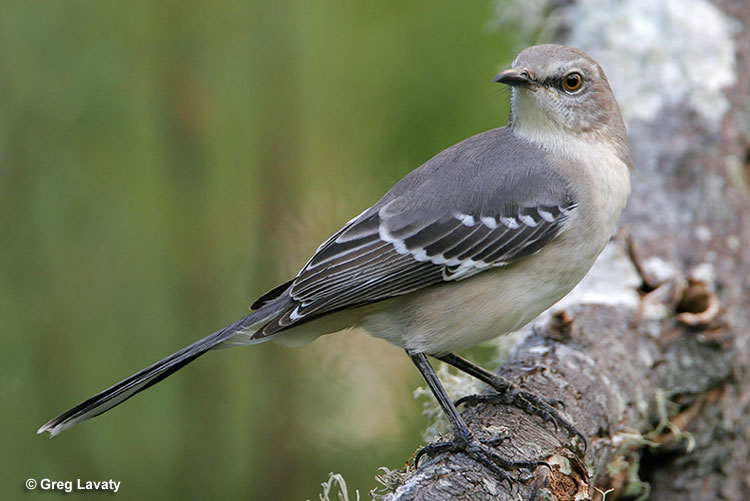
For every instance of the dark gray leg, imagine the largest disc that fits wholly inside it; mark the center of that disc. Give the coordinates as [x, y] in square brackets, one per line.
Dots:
[463, 439]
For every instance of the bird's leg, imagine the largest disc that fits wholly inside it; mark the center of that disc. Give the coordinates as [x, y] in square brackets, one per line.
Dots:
[509, 394]
[463, 440]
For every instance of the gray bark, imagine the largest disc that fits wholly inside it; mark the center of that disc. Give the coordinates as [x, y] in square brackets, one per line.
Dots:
[654, 370]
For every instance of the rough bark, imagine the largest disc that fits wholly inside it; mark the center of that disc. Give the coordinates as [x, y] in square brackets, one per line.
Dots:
[650, 357]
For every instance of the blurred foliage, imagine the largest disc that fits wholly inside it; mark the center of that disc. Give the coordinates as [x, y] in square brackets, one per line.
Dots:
[164, 163]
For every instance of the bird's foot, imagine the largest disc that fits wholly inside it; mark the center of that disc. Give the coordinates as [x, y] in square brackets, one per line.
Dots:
[482, 454]
[509, 394]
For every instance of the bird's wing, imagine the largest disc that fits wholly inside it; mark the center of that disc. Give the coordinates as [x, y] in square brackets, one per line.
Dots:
[417, 239]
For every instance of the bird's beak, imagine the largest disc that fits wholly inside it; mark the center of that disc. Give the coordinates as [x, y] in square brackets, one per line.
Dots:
[515, 78]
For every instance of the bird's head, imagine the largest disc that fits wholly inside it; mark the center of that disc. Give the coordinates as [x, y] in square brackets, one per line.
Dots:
[559, 91]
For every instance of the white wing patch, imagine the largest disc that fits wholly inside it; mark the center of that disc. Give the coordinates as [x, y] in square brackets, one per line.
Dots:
[295, 314]
[466, 219]
[489, 222]
[528, 220]
[510, 222]
[547, 216]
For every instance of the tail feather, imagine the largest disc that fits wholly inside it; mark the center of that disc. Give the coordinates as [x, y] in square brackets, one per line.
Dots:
[120, 392]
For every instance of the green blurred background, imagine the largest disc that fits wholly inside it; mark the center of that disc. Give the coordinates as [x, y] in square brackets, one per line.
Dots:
[164, 163]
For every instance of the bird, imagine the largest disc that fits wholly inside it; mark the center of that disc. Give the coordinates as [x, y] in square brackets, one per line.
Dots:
[473, 244]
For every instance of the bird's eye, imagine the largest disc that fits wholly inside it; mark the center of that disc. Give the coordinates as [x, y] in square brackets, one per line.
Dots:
[572, 81]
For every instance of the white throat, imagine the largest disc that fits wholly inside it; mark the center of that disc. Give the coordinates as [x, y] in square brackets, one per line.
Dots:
[609, 173]
[533, 122]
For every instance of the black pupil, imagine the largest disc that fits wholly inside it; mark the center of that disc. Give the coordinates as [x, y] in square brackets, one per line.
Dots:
[573, 81]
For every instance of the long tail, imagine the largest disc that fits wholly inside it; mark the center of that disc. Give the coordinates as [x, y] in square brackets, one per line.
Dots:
[117, 394]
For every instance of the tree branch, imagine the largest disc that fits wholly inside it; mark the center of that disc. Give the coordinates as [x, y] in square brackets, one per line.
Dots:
[656, 379]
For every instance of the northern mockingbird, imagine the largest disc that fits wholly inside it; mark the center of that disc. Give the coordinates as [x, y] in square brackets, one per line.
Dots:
[473, 244]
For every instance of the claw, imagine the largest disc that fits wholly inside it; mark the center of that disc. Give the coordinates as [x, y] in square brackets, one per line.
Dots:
[530, 403]
[482, 454]
[433, 449]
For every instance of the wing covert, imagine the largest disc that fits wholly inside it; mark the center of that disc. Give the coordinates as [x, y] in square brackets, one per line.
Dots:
[373, 259]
